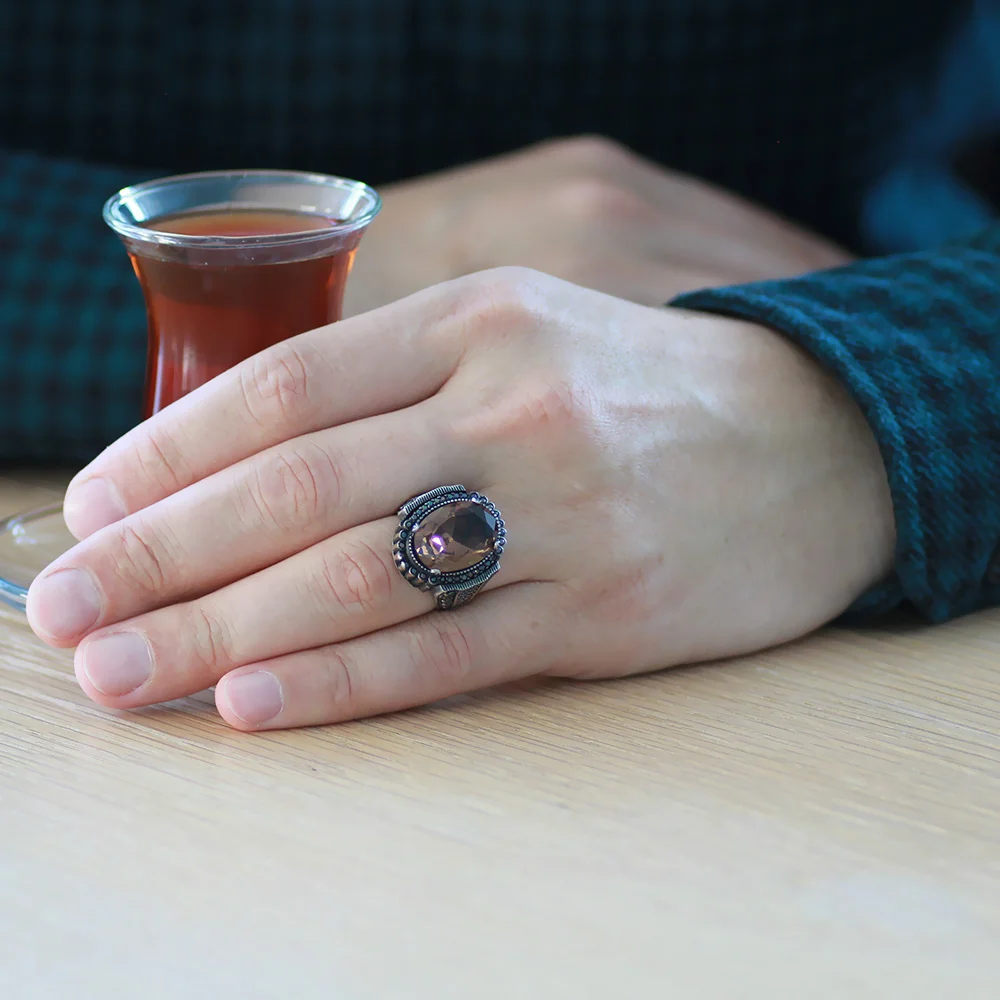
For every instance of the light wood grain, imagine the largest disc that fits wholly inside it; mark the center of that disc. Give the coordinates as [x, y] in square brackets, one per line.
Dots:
[818, 821]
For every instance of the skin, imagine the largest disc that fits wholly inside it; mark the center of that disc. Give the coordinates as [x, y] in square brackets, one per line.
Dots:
[677, 487]
[585, 209]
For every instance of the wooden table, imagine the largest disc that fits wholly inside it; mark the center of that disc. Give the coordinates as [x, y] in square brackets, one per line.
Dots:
[817, 821]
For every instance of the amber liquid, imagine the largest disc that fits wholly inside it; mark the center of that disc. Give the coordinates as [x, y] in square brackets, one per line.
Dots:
[206, 318]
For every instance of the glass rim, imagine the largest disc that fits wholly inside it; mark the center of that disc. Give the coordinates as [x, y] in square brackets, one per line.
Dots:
[113, 210]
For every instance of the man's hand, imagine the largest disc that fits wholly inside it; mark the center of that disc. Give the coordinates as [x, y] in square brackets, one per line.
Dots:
[586, 210]
[677, 487]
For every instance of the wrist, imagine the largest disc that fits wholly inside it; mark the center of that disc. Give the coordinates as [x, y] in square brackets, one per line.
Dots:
[820, 451]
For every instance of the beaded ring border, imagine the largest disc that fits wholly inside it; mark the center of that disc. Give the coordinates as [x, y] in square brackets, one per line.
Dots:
[450, 589]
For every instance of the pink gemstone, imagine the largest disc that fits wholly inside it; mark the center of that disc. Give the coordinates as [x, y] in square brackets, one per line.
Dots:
[455, 536]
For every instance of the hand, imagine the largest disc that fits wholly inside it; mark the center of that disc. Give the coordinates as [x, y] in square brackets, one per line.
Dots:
[677, 487]
[584, 209]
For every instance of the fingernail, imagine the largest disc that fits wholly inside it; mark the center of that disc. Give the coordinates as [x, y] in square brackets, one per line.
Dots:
[118, 664]
[254, 698]
[92, 505]
[64, 604]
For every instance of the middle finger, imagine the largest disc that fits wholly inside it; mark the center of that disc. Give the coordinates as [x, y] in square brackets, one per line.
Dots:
[242, 519]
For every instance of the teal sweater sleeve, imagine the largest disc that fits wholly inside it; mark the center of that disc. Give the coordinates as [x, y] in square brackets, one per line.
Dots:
[916, 340]
[72, 322]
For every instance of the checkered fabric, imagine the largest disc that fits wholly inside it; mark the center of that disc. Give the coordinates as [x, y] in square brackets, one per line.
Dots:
[72, 323]
[790, 102]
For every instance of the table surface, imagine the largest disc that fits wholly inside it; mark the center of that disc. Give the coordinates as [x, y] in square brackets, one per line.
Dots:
[821, 820]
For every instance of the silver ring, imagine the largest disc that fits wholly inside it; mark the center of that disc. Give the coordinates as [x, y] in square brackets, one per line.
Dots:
[449, 543]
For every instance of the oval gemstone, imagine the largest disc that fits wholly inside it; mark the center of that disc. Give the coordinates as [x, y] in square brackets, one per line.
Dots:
[455, 536]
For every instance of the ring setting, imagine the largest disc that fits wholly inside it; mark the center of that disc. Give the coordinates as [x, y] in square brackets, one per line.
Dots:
[449, 542]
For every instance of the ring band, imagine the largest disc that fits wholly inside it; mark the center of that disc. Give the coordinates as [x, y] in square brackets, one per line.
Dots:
[449, 543]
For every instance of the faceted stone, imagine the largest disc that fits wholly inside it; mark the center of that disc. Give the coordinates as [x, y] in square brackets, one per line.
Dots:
[455, 536]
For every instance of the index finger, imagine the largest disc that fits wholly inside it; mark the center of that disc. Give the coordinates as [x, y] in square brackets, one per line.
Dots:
[359, 367]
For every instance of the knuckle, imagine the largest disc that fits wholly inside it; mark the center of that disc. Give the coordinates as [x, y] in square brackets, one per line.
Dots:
[500, 302]
[293, 485]
[277, 387]
[161, 459]
[597, 199]
[340, 686]
[142, 560]
[593, 152]
[552, 409]
[444, 650]
[558, 403]
[212, 642]
[355, 579]
[623, 600]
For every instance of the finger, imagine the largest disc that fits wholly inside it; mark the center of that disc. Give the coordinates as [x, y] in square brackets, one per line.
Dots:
[512, 633]
[242, 519]
[370, 364]
[683, 196]
[639, 234]
[713, 226]
[690, 244]
[344, 587]
[766, 255]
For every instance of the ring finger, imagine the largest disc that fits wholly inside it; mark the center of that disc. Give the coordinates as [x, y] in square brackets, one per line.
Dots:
[341, 588]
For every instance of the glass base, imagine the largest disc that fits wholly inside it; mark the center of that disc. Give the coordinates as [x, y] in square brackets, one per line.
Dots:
[28, 543]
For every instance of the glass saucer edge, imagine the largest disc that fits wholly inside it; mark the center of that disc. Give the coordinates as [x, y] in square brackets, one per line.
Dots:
[12, 593]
